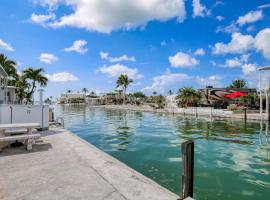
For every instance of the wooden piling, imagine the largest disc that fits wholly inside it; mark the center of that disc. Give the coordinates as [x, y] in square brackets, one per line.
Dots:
[245, 114]
[187, 168]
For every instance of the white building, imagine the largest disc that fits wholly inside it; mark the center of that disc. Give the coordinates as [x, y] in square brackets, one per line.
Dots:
[11, 112]
[72, 97]
[7, 93]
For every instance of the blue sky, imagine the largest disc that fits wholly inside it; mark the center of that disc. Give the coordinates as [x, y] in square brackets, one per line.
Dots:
[160, 44]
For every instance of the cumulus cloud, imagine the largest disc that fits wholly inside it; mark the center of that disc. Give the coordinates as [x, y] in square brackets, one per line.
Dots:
[175, 81]
[243, 43]
[199, 52]
[199, 10]
[232, 28]
[106, 56]
[262, 42]
[48, 58]
[62, 77]
[248, 68]
[5, 46]
[105, 16]
[116, 70]
[77, 46]
[41, 19]
[182, 60]
[250, 17]
[242, 63]
[165, 81]
[213, 80]
[235, 26]
[239, 44]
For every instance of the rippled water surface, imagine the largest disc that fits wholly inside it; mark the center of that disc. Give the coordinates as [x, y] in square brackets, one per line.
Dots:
[232, 159]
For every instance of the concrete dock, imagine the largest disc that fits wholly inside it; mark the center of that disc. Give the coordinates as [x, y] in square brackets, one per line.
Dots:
[63, 166]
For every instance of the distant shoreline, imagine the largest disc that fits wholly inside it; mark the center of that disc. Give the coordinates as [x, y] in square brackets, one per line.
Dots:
[196, 112]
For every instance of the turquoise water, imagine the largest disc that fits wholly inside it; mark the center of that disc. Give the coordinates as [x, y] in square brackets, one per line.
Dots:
[232, 159]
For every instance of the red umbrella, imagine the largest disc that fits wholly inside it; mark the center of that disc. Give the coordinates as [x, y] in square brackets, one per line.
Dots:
[236, 94]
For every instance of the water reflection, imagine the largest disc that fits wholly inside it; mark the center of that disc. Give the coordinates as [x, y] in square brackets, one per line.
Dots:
[232, 158]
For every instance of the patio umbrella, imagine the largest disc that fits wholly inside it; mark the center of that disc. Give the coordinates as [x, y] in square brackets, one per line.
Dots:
[234, 95]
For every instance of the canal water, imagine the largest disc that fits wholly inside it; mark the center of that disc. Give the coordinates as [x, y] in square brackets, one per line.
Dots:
[232, 158]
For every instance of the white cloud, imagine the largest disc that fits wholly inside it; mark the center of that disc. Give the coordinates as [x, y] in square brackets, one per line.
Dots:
[105, 16]
[262, 42]
[62, 77]
[199, 10]
[78, 46]
[165, 81]
[106, 56]
[232, 28]
[42, 19]
[239, 44]
[241, 62]
[5, 46]
[264, 6]
[213, 80]
[48, 3]
[231, 63]
[248, 68]
[250, 17]
[236, 62]
[175, 81]
[220, 18]
[243, 43]
[48, 58]
[199, 52]
[183, 60]
[116, 70]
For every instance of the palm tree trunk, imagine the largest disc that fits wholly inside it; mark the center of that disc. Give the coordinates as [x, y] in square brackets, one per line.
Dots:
[31, 92]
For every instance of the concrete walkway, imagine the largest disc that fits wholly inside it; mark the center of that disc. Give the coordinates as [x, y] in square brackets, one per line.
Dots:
[63, 166]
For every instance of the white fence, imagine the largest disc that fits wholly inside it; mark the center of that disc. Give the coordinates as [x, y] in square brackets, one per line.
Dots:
[25, 114]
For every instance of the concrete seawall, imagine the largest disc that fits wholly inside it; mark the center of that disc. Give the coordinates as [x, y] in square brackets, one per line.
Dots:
[63, 166]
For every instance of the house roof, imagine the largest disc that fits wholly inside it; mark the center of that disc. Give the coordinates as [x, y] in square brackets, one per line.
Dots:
[264, 68]
[2, 71]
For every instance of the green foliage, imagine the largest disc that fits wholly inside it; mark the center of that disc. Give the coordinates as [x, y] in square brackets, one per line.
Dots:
[22, 86]
[123, 81]
[160, 101]
[9, 66]
[24, 89]
[36, 77]
[139, 95]
[187, 97]
[249, 101]
[239, 83]
[84, 90]
[170, 92]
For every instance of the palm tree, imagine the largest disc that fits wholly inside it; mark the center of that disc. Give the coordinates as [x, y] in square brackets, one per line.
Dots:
[187, 96]
[123, 81]
[239, 83]
[36, 76]
[69, 91]
[21, 87]
[160, 101]
[9, 66]
[170, 92]
[84, 90]
[154, 93]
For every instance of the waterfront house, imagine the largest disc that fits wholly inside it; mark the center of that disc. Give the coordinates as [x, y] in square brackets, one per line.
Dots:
[7, 93]
[215, 97]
